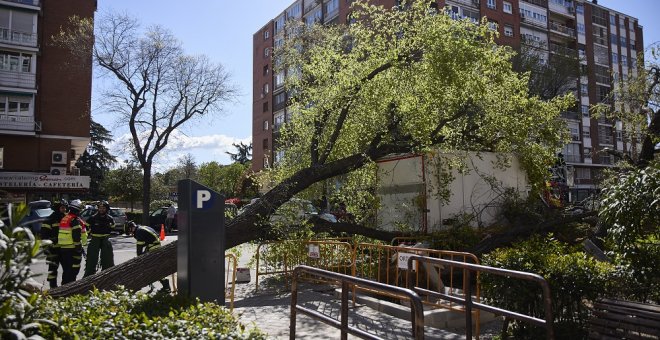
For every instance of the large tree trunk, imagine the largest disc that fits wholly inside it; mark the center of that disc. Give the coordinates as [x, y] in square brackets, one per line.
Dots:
[146, 193]
[246, 227]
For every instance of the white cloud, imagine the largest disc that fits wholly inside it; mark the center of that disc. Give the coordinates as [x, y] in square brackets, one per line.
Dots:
[203, 149]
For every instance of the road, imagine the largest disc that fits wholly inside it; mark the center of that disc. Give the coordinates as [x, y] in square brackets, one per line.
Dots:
[123, 248]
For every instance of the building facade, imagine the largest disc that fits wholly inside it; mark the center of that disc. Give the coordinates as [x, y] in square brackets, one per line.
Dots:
[45, 101]
[605, 42]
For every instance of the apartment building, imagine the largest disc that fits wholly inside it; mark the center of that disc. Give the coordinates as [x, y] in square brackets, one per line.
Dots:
[45, 100]
[605, 41]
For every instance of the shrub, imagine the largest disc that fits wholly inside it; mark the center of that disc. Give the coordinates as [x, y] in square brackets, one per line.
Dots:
[575, 279]
[17, 306]
[123, 314]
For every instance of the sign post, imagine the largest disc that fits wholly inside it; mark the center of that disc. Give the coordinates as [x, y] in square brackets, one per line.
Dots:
[201, 245]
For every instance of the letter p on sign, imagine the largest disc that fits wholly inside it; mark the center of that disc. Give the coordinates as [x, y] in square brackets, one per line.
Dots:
[202, 196]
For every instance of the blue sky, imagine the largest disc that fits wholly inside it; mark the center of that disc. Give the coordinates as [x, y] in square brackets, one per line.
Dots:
[222, 30]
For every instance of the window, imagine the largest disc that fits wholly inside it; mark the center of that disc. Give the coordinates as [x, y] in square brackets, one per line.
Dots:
[633, 62]
[572, 153]
[583, 90]
[266, 51]
[619, 136]
[266, 70]
[279, 79]
[585, 111]
[574, 129]
[265, 125]
[264, 143]
[586, 133]
[579, 7]
[278, 120]
[624, 42]
[583, 173]
[331, 8]
[614, 38]
[492, 25]
[15, 105]
[581, 29]
[632, 44]
[266, 34]
[490, 4]
[615, 58]
[605, 135]
[266, 163]
[587, 152]
[508, 30]
[279, 99]
[279, 24]
[612, 20]
[507, 8]
[624, 60]
[10, 61]
[266, 89]
[294, 11]
[265, 108]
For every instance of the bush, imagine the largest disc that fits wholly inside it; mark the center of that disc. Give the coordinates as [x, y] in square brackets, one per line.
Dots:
[575, 280]
[123, 314]
[17, 306]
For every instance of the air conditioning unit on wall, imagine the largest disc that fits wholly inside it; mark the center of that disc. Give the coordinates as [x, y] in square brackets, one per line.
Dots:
[58, 170]
[59, 157]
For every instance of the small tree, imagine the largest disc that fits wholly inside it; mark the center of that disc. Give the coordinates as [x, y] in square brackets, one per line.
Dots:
[96, 161]
[124, 183]
[243, 153]
[155, 87]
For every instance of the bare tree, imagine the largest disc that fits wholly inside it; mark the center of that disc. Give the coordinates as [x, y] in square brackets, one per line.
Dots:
[155, 88]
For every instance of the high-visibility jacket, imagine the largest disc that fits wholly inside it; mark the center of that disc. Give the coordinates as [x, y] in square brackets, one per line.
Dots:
[146, 238]
[72, 232]
[50, 227]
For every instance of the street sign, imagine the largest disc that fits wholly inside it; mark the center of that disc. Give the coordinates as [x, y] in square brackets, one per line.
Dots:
[201, 245]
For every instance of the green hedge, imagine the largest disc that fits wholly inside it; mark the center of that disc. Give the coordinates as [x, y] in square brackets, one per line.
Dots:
[575, 280]
[123, 314]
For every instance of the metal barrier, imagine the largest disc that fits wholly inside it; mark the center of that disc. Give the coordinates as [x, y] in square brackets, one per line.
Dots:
[283, 256]
[416, 307]
[230, 266]
[387, 264]
[470, 304]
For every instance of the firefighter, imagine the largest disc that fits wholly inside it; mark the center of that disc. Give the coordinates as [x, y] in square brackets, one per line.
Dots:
[72, 236]
[100, 225]
[148, 240]
[49, 231]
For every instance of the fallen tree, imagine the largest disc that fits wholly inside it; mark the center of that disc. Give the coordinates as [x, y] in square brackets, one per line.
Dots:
[393, 87]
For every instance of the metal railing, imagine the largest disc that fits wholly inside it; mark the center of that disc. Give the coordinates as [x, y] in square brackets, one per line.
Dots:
[230, 267]
[470, 304]
[416, 308]
[17, 79]
[557, 27]
[18, 37]
[331, 255]
[19, 123]
[26, 2]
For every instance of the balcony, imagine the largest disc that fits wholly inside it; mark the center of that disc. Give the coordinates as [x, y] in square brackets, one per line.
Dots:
[562, 7]
[532, 21]
[19, 123]
[563, 50]
[35, 3]
[310, 5]
[570, 115]
[562, 29]
[573, 158]
[23, 80]
[18, 38]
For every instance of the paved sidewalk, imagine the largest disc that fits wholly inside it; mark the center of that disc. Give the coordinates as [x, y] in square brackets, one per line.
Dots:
[269, 310]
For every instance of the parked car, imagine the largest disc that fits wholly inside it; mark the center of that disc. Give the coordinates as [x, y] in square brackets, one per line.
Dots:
[158, 217]
[37, 210]
[117, 214]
